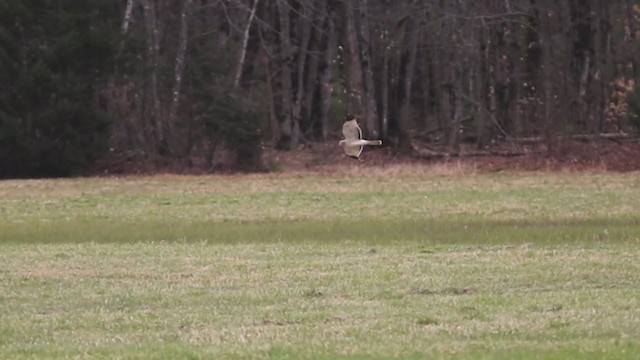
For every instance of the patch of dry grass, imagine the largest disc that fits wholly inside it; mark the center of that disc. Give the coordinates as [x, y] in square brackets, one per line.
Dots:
[279, 208]
[264, 197]
[402, 170]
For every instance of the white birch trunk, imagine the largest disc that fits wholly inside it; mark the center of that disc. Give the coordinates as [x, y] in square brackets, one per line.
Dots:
[245, 41]
[127, 17]
[178, 73]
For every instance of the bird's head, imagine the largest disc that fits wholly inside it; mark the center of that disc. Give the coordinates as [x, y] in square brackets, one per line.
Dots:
[349, 117]
[342, 142]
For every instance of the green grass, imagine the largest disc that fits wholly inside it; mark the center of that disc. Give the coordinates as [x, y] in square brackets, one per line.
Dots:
[503, 266]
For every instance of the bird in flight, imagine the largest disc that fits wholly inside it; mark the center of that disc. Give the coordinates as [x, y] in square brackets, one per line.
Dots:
[353, 142]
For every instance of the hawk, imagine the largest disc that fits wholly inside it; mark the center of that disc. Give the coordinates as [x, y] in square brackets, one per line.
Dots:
[353, 142]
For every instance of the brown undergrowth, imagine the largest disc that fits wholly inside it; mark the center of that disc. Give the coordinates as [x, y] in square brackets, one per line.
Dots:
[326, 158]
[568, 155]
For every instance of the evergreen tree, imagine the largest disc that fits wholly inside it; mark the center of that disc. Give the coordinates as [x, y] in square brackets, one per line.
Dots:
[54, 56]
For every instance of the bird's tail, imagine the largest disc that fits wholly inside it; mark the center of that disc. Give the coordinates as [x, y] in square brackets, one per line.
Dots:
[374, 142]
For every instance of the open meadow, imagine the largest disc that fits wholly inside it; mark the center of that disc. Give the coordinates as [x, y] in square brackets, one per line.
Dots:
[356, 265]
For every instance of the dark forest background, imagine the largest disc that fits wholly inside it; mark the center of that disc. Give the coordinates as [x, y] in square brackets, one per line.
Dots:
[168, 81]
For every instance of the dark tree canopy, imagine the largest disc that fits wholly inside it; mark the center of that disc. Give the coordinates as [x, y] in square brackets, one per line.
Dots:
[55, 58]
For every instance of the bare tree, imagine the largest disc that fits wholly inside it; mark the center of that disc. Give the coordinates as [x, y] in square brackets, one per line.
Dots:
[446, 73]
[245, 42]
[178, 75]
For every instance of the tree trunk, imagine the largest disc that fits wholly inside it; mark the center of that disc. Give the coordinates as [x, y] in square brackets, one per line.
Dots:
[355, 88]
[367, 72]
[312, 78]
[454, 135]
[273, 98]
[604, 61]
[287, 138]
[304, 25]
[412, 34]
[127, 17]
[325, 74]
[633, 19]
[547, 78]
[245, 42]
[154, 118]
[384, 131]
[178, 74]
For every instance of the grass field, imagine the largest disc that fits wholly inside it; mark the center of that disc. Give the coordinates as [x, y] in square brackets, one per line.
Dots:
[352, 266]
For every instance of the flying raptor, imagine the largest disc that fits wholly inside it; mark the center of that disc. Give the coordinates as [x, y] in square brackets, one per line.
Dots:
[353, 142]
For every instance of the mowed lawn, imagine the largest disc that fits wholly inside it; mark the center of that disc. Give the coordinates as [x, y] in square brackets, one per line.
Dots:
[363, 265]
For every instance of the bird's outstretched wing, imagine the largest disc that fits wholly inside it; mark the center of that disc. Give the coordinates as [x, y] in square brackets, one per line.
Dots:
[353, 151]
[351, 130]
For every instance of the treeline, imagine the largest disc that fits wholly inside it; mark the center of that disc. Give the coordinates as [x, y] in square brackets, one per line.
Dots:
[183, 81]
